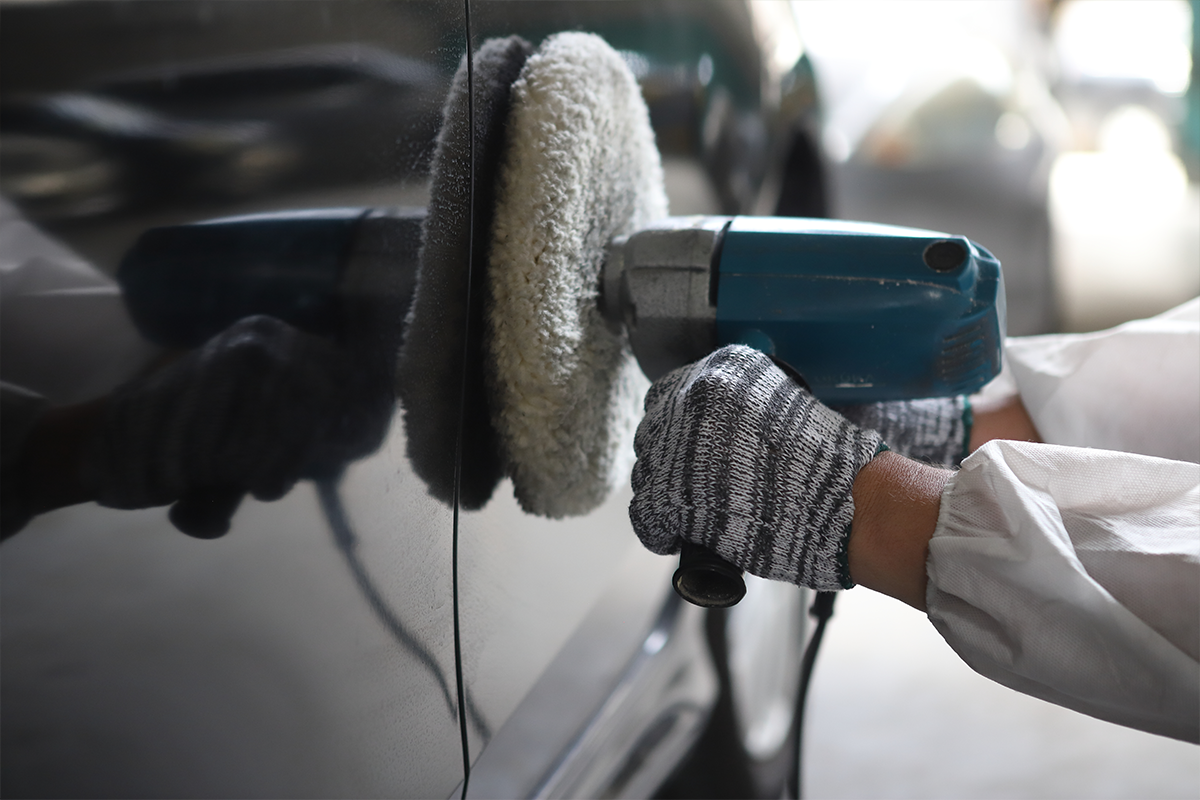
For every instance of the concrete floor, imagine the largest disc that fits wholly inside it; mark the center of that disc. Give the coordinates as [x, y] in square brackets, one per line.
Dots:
[894, 713]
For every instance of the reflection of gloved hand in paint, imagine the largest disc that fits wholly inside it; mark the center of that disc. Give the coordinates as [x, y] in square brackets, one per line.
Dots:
[254, 409]
[735, 455]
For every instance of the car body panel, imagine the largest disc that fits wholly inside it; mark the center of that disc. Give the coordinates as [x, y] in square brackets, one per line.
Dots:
[138, 663]
[314, 650]
[311, 651]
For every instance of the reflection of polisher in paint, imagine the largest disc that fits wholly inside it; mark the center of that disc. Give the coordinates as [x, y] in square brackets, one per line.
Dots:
[346, 274]
[332, 274]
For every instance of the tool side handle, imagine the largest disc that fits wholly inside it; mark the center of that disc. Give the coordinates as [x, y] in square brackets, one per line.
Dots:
[705, 579]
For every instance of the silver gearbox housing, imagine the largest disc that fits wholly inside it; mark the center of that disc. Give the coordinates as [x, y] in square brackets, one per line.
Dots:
[658, 286]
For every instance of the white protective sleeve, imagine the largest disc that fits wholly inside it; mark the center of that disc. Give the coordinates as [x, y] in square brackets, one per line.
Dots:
[1073, 574]
[1133, 388]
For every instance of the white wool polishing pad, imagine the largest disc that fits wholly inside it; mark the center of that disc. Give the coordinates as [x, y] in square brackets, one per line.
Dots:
[580, 167]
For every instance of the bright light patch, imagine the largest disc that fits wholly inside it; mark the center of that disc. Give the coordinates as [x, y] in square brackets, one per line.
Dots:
[1012, 131]
[1133, 129]
[704, 69]
[1124, 223]
[1147, 40]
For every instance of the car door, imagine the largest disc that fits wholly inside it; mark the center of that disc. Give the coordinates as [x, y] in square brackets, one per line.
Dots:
[310, 650]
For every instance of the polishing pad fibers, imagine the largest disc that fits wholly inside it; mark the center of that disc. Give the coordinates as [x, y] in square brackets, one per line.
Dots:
[580, 167]
[442, 326]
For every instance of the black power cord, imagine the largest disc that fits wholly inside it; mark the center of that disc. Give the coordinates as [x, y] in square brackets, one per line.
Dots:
[821, 610]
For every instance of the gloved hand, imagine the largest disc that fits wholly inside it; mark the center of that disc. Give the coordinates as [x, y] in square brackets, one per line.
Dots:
[936, 431]
[733, 454]
[249, 411]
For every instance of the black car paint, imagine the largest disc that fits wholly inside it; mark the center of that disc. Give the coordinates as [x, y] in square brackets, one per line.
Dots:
[138, 662]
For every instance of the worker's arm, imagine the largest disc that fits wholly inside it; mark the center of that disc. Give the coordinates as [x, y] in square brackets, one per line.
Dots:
[1090, 606]
[896, 504]
[1005, 420]
[1065, 573]
[1134, 388]
[1070, 574]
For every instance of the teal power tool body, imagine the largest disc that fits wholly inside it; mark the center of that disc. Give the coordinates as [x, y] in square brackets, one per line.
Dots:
[862, 313]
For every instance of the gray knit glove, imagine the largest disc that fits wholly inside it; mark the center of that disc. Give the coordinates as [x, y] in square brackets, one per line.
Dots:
[936, 431]
[252, 410]
[733, 454]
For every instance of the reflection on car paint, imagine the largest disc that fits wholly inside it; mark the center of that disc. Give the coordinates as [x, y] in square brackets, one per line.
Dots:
[343, 534]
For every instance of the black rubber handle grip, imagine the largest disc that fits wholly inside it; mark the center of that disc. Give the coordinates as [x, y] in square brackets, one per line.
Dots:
[705, 579]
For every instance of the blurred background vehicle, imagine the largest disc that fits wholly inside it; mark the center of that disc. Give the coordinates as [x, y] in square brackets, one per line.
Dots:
[1053, 132]
[1116, 189]
[942, 118]
[1124, 199]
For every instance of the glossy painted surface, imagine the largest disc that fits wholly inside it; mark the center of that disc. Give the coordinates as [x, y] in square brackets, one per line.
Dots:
[310, 651]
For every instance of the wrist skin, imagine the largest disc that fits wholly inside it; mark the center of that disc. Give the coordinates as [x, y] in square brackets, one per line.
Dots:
[896, 506]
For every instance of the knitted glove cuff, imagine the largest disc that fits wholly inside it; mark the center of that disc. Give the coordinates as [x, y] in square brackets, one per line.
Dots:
[936, 431]
[120, 464]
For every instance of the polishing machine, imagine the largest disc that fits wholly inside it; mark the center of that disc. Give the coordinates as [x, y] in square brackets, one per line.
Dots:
[864, 312]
